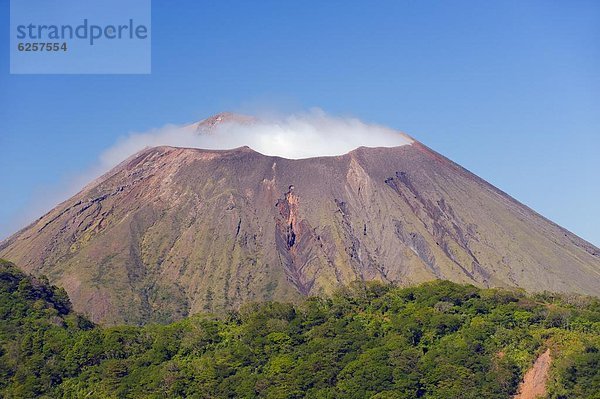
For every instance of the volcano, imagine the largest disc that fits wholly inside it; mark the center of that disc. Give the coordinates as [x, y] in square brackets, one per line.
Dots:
[175, 231]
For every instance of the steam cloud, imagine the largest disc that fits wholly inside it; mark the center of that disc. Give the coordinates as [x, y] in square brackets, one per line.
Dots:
[301, 135]
[295, 136]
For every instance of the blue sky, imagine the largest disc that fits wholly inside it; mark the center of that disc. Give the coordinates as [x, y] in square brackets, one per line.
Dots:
[508, 89]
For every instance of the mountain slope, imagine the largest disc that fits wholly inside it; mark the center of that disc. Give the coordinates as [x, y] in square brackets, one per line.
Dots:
[173, 231]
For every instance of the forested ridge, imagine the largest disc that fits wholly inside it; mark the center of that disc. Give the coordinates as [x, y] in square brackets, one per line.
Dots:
[436, 340]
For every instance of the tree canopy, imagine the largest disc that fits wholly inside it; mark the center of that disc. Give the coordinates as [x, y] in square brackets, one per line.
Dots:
[436, 340]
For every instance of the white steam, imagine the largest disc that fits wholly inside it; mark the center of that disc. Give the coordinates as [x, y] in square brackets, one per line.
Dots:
[307, 135]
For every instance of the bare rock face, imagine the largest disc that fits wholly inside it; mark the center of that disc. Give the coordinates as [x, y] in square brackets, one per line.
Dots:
[174, 231]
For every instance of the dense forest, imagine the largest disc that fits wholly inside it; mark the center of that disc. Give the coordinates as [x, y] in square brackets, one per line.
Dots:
[437, 340]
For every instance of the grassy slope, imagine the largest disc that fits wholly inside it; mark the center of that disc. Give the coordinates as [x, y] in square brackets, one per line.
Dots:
[436, 340]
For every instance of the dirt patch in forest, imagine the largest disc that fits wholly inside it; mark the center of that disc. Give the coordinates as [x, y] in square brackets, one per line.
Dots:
[534, 383]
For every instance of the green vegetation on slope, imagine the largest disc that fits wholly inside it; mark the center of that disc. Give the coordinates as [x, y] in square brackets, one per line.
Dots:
[437, 340]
